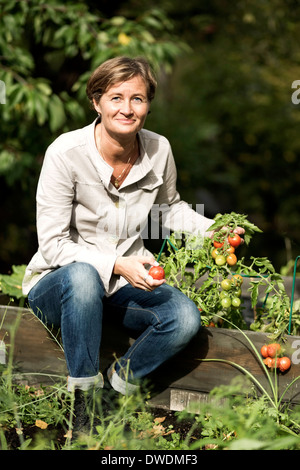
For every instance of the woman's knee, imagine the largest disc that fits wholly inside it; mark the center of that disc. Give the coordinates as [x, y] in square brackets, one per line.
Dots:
[188, 318]
[83, 281]
[184, 317]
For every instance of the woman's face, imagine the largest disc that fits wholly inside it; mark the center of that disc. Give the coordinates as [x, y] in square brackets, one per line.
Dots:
[124, 107]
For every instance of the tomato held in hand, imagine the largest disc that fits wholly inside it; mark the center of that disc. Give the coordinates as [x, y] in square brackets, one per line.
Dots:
[234, 240]
[157, 272]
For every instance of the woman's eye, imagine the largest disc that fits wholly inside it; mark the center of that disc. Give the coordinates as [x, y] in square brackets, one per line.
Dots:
[116, 98]
[137, 99]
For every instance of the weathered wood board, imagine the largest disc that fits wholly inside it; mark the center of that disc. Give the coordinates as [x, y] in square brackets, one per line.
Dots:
[190, 373]
[37, 355]
[187, 376]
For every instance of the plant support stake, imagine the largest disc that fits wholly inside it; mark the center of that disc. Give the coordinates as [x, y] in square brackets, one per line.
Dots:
[293, 291]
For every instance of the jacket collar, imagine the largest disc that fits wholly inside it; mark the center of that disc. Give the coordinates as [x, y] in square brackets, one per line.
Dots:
[139, 170]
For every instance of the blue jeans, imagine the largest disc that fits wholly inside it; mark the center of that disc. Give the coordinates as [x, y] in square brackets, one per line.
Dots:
[73, 298]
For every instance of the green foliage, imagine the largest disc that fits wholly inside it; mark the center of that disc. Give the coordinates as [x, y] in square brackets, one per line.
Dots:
[234, 220]
[12, 284]
[233, 421]
[231, 121]
[38, 43]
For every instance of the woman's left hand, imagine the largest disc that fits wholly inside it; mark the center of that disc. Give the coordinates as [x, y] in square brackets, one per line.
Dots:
[238, 230]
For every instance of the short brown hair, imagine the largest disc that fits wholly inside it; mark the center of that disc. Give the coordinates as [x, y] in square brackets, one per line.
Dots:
[117, 70]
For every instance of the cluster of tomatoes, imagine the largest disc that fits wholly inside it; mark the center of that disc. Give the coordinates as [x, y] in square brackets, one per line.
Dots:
[224, 249]
[231, 291]
[273, 359]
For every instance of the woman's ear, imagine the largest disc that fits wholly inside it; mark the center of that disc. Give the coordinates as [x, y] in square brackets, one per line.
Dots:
[96, 106]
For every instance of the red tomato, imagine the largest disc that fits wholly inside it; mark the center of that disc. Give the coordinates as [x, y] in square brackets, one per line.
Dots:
[268, 361]
[284, 363]
[157, 272]
[218, 244]
[274, 349]
[275, 362]
[234, 240]
[264, 350]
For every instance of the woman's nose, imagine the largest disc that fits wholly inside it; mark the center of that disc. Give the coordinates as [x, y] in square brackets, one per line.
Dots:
[126, 107]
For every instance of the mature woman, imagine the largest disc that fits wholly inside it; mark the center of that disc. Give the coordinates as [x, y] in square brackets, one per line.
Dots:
[96, 189]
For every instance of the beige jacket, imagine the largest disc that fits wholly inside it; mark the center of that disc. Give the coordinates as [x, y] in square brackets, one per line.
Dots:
[81, 216]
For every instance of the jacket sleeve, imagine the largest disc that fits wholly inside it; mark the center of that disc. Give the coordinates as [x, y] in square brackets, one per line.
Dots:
[55, 198]
[178, 215]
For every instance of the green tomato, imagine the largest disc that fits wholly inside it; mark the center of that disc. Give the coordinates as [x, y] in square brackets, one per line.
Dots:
[226, 284]
[224, 294]
[237, 292]
[226, 302]
[236, 302]
[220, 260]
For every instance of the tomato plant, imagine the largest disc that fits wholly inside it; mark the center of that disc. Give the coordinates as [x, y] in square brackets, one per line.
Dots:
[194, 265]
[271, 354]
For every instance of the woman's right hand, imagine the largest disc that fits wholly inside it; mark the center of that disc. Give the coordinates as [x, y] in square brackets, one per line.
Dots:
[133, 270]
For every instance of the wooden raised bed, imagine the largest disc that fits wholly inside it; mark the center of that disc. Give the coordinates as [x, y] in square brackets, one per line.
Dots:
[39, 360]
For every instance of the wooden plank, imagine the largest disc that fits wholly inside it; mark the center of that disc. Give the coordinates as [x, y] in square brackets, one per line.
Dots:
[35, 352]
[2, 353]
[190, 400]
[188, 372]
[37, 355]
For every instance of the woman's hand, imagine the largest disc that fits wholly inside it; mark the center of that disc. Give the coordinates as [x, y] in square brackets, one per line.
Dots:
[238, 230]
[133, 270]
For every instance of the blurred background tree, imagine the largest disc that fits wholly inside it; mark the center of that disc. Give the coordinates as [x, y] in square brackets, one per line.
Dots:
[225, 74]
